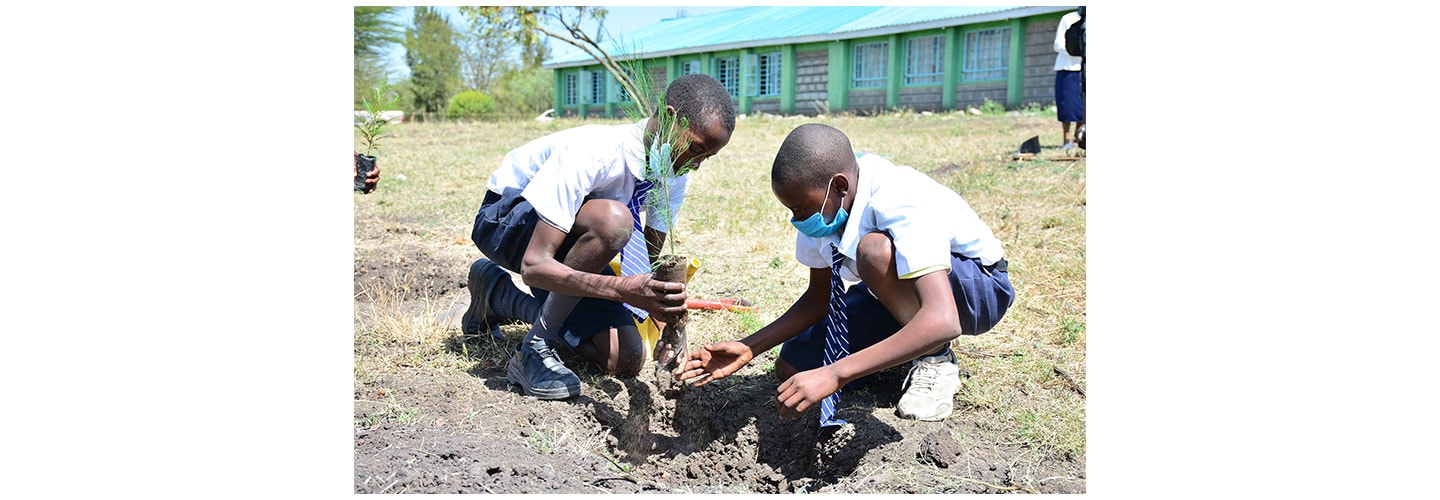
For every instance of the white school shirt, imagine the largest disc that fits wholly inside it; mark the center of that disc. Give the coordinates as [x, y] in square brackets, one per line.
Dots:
[926, 220]
[557, 172]
[1063, 60]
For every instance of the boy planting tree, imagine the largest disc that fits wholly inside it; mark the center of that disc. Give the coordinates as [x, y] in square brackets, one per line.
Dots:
[558, 210]
[929, 269]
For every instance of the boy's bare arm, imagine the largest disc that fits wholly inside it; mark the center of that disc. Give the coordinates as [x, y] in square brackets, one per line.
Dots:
[810, 308]
[718, 360]
[934, 325]
[540, 269]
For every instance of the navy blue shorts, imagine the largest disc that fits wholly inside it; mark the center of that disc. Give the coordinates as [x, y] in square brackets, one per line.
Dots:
[982, 295]
[1069, 104]
[502, 232]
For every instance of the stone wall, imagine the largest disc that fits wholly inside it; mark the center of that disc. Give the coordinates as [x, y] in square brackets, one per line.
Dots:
[812, 69]
[976, 94]
[922, 98]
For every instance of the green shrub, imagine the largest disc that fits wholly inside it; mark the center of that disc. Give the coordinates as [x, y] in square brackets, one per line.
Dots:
[469, 104]
[992, 108]
[524, 92]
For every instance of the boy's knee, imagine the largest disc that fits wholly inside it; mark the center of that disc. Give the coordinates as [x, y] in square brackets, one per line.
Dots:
[875, 257]
[608, 221]
[626, 356]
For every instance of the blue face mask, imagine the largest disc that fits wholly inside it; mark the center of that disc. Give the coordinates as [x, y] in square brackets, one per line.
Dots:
[815, 226]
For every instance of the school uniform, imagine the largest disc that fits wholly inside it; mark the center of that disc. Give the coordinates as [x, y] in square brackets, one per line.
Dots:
[1069, 100]
[546, 181]
[933, 229]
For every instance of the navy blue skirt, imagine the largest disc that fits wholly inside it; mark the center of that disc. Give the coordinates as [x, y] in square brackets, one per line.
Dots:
[1069, 106]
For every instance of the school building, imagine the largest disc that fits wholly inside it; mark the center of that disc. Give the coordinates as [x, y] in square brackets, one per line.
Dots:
[812, 60]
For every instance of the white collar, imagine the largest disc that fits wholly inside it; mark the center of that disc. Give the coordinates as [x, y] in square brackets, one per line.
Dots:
[634, 148]
[850, 234]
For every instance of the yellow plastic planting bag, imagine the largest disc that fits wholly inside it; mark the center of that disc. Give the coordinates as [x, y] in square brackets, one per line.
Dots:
[649, 330]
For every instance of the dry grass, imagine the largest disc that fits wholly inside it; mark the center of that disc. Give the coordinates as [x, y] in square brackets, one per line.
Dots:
[734, 225]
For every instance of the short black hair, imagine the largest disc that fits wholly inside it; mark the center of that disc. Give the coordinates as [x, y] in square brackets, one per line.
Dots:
[810, 155]
[698, 96]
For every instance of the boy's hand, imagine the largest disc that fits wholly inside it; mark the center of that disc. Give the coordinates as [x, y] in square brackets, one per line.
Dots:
[806, 389]
[713, 362]
[372, 179]
[662, 299]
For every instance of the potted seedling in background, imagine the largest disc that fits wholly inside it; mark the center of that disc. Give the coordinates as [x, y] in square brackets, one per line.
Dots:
[370, 128]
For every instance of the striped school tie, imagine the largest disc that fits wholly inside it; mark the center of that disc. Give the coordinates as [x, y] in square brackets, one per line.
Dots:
[837, 335]
[634, 258]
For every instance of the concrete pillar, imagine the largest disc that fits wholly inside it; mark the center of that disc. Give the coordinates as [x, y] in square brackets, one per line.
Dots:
[837, 79]
[788, 80]
[952, 67]
[896, 73]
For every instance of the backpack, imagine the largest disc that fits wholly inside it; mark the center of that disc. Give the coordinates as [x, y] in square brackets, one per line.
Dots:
[1075, 38]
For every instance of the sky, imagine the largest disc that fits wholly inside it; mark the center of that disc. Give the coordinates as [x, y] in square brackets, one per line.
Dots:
[619, 21]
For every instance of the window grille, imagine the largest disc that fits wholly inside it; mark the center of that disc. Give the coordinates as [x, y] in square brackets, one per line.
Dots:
[924, 60]
[870, 60]
[766, 81]
[597, 87]
[572, 93]
[987, 55]
[727, 70]
[617, 92]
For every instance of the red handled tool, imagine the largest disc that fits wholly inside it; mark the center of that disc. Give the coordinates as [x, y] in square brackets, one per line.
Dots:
[735, 305]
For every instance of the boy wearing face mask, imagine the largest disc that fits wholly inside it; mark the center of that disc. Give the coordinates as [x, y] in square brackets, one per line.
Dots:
[929, 269]
[558, 210]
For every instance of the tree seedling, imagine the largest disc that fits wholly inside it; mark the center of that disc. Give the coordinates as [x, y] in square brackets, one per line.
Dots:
[371, 128]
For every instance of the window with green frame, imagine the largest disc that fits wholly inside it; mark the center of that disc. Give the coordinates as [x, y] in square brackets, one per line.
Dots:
[762, 74]
[597, 87]
[925, 60]
[987, 55]
[617, 92]
[870, 61]
[690, 67]
[572, 92]
[727, 70]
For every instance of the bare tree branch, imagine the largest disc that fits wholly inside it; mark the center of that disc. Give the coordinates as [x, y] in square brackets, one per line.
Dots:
[525, 21]
[599, 54]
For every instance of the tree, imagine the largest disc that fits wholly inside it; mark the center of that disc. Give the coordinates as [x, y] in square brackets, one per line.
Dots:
[527, 23]
[374, 31]
[524, 91]
[535, 54]
[434, 59]
[485, 48]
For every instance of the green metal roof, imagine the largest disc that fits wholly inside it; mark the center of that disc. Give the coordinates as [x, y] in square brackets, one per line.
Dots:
[761, 26]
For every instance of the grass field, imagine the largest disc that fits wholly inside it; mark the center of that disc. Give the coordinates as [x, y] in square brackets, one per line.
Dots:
[1026, 378]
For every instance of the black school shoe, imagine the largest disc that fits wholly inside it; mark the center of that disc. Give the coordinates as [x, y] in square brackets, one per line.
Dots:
[537, 369]
[479, 318]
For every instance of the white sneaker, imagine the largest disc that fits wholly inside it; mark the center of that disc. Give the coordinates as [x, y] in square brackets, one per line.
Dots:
[934, 381]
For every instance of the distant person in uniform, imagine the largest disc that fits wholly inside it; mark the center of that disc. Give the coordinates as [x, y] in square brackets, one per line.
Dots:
[1069, 101]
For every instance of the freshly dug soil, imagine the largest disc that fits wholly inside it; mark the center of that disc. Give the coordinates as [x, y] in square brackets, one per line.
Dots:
[422, 429]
